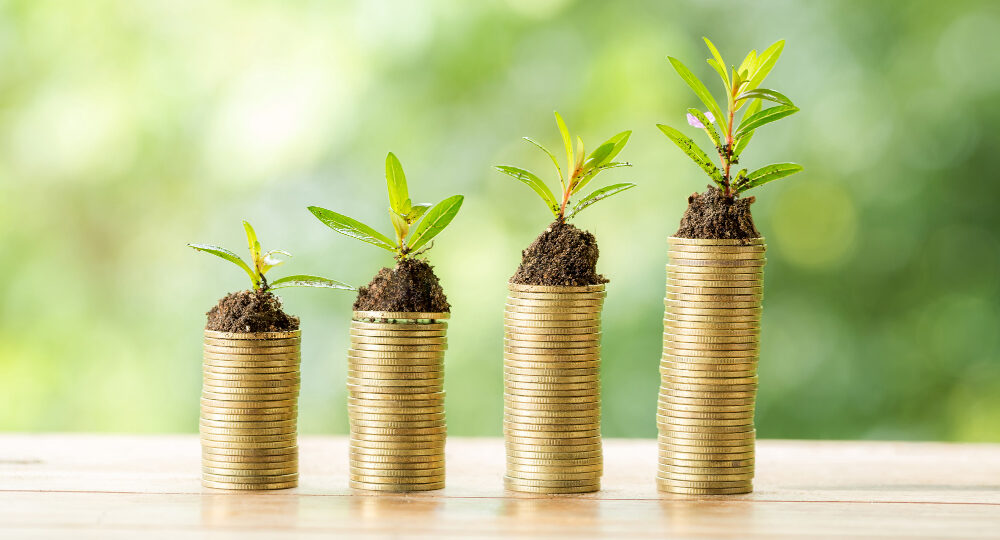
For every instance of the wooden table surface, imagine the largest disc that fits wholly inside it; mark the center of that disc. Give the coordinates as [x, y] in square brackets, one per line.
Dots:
[109, 486]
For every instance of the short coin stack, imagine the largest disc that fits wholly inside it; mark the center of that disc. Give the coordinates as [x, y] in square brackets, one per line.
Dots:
[552, 400]
[396, 401]
[711, 330]
[249, 407]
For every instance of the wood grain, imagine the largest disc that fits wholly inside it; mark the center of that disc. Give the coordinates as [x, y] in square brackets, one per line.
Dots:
[103, 486]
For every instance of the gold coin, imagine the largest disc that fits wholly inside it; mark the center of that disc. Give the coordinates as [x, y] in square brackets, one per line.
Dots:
[710, 364]
[376, 468]
[262, 349]
[401, 357]
[250, 360]
[255, 377]
[400, 341]
[533, 384]
[237, 427]
[257, 407]
[549, 372]
[708, 288]
[707, 402]
[424, 396]
[563, 289]
[590, 428]
[706, 371]
[731, 409]
[288, 449]
[719, 311]
[551, 476]
[248, 419]
[676, 255]
[531, 452]
[737, 415]
[409, 472]
[701, 248]
[709, 390]
[726, 455]
[680, 336]
[375, 462]
[401, 440]
[685, 325]
[405, 371]
[513, 310]
[552, 438]
[247, 487]
[558, 354]
[750, 321]
[379, 375]
[732, 382]
[356, 346]
[396, 488]
[702, 491]
[249, 473]
[584, 360]
[208, 434]
[723, 280]
[568, 450]
[278, 372]
[696, 428]
[250, 386]
[375, 430]
[248, 445]
[367, 386]
[552, 402]
[681, 267]
[594, 296]
[669, 348]
[508, 480]
[592, 319]
[398, 448]
[407, 316]
[713, 300]
[252, 343]
[707, 483]
[688, 260]
[391, 425]
[709, 349]
[253, 335]
[552, 347]
[586, 333]
[524, 368]
[274, 478]
[399, 326]
[591, 394]
[588, 339]
[231, 402]
[236, 463]
[553, 490]
[558, 464]
[593, 377]
[414, 364]
[739, 465]
[704, 394]
[393, 402]
[678, 306]
[275, 399]
[575, 325]
[567, 301]
[393, 333]
[536, 415]
[718, 447]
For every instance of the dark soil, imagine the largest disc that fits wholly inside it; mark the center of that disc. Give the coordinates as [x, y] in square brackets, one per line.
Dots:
[250, 311]
[714, 215]
[561, 255]
[411, 286]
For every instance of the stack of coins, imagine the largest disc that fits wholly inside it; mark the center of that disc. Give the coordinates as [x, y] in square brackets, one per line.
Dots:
[552, 401]
[711, 330]
[249, 407]
[396, 402]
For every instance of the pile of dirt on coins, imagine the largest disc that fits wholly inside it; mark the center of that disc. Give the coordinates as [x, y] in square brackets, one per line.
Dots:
[713, 215]
[561, 255]
[411, 286]
[250, 311]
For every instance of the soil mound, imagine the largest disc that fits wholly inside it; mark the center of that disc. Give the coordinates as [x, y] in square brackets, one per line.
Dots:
[561, 255]
[714, 215]
[410, 286]
[250, 311]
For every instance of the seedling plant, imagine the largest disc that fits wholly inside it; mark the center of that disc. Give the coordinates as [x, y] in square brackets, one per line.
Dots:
[261, 262]
[415, 225]
[742, 87]
[581, 169]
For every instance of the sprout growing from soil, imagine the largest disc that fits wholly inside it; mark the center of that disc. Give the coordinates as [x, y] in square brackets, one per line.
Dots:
[404, 215]
[581, 169]
[730, 139]
[261, 262]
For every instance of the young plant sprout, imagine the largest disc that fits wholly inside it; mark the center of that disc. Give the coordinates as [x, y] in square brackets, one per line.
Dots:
[580, 170]
[403, 213]
[261, 262]
[730, 139]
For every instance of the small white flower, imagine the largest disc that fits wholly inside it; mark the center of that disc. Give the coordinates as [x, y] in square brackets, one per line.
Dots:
[694, 122]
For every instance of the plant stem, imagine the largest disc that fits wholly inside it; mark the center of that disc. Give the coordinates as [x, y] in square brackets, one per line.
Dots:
[727, 161]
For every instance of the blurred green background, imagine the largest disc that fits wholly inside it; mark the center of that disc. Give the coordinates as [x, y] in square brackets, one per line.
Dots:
[128, 129]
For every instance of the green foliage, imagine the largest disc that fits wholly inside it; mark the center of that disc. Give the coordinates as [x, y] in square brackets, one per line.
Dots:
[742, 86]
[261, 263]
[580, 170]
[403, 214]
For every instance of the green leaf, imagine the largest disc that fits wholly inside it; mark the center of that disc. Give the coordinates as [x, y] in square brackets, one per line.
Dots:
[416, 211]
[742, 142]
[436, 220]
[749, 64]
[267, 263]
[766, 62]
[592, 173]
[551, 156]
[599, 195]
[535, 183]
[303, 280]
[767, 174]
[718, 63]
[764, 93]
[567, 142]
[699, 89]
[766, 116]
[709, 127]
[608, 150]
[400, 225]
[229, 256]
[694, 152]
[254, 245]
[352, 227]
[396, 182]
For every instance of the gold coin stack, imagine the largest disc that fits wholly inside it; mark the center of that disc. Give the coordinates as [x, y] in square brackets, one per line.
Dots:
[552, 397]
[396, 402]
[711, 330]
[249, 407]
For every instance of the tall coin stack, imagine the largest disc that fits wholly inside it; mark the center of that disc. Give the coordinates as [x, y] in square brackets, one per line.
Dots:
[552, 397]
[396, 401]
[711, 330]
[249, 407]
